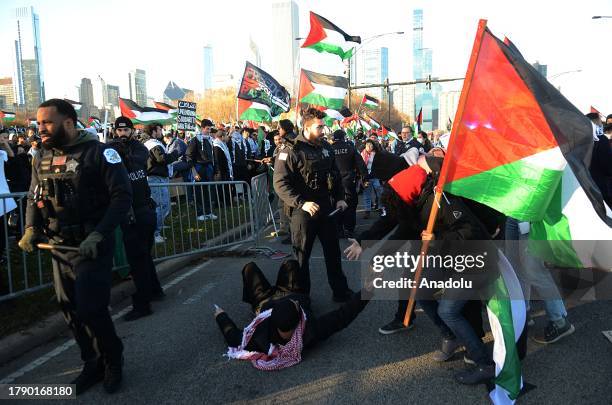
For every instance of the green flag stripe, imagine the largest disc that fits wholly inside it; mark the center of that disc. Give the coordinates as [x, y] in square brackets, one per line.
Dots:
[253, 114]
[518, 189]
[330, 48]
[500, 305]
[317, 99]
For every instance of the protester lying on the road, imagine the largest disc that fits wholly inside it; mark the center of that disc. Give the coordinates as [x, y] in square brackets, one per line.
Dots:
[285, 324]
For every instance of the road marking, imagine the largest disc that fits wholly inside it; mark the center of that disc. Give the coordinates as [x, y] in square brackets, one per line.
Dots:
[199, 295]
[67, 345]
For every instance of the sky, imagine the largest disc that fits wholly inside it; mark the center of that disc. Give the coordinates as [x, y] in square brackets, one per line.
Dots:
[85, 38]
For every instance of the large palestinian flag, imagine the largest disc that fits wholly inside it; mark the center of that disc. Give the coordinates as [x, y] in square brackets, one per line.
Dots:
[144, 115]
[519, 146]
[253, 111]
[324, 36]
[323, 90]
[7, 116]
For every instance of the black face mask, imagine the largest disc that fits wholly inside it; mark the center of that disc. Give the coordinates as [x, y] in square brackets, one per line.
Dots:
[57, 139]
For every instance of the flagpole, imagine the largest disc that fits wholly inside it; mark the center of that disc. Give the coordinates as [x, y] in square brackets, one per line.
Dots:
[482, 26]
[297, 99]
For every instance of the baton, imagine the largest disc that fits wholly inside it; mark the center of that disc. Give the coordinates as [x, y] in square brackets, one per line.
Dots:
[334, 212]
[48, 246]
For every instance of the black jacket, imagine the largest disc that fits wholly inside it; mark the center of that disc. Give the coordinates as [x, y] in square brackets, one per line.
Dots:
[601, 167]
[199, 152]
[317, 328]
[349, 163]
[96, 185]
[304, 172]
[135, 156]
[158, 161]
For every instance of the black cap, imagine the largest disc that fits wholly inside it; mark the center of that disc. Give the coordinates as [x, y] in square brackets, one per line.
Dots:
[123, 122]
[385, 165]
[339, 135]
[285, 316]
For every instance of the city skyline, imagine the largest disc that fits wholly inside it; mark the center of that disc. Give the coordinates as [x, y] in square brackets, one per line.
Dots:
[542, 35]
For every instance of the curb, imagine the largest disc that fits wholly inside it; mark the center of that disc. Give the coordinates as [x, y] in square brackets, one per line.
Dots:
[19, 343]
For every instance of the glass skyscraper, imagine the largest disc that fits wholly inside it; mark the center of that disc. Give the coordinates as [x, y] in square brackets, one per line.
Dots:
[424, 98]
[29, 82]
[138, 87]
[285, 28]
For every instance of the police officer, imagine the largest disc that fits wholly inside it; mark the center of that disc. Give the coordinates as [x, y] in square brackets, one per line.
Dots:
[79, 193]
[349, 162]
[138, 228]
[306, 179]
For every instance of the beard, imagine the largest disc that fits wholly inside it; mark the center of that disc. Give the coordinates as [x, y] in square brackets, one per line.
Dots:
[57, 139]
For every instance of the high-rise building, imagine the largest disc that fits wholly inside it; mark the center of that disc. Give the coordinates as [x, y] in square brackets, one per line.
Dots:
[255, 50]
[543, 69]
[425, 98]
[100, 93]
[138, 87]
[86, 98]
[29, 83]
[403, 100]
[7, 90]
[449, 100]
[285, 28]
[113, 95]
[371, 66]
[208, 67]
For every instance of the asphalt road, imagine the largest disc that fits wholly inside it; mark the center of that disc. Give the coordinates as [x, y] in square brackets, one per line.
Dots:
[176, 355]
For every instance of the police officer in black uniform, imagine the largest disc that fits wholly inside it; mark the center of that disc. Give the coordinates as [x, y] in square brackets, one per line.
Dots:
[349, 162]
[306, 179]
[138, 228]
[79, 194]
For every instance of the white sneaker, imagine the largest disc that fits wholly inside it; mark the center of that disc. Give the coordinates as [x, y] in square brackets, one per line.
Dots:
[202, 218]
[159, 239]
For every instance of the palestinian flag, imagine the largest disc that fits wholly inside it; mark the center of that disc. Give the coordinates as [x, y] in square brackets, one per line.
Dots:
[518, 146]
[144, 115]
[80, 124]
[7, 116]
[323, 90]
[166, 107]
[75, 104]
[419, 120]
[373, 123]
[331, 116]
[507, 316]
[253, 111]
[370, 102]
[324, 36]
[94, 122]
[523, 149]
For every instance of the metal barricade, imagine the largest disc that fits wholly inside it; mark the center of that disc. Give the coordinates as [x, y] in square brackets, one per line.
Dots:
[202, 216]
[20, 273]
[195, 218]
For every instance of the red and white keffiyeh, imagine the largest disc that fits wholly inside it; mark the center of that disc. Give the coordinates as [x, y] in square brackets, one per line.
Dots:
[278, 356]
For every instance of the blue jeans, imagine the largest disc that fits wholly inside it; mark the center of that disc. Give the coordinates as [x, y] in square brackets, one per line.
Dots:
[367, 193]
[531, 272]
[161, 196]
[450, 312]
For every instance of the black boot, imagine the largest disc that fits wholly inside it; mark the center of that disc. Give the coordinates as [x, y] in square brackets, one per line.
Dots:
[113, 374]
[92, 373]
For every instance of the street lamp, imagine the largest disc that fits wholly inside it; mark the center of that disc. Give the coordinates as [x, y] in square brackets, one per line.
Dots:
[597, 17]
[564, 73]
[364, 42]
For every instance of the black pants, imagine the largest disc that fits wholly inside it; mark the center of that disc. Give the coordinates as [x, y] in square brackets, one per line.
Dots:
[256, 290]
[304, 230]
[348, 218]
[83, 289]
[284, 219]
[138, 242]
